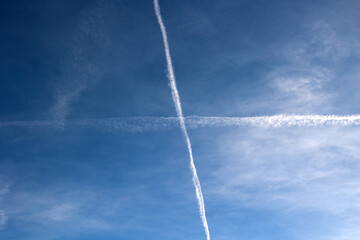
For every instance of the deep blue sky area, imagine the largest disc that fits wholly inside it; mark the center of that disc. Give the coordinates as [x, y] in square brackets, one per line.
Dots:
[120, 177]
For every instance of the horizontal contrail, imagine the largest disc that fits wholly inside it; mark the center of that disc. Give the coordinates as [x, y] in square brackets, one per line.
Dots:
[138, 124]
[133, 124]
[274, 121]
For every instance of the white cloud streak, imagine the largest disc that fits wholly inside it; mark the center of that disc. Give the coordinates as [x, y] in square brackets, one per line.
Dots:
[176, 99]
[138, 124]
[275, 121]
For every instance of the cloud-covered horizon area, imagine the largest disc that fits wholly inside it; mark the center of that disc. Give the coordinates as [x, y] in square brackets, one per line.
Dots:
[91, 146]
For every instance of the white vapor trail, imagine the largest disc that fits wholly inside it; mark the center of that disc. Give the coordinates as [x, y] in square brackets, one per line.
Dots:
[138, 124]
[176, 99]
[132, 124]
[274, 121]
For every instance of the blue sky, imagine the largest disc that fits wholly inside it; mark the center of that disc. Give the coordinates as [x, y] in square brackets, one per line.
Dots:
[79, 60]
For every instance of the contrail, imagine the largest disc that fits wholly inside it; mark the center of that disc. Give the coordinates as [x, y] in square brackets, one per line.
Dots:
[132, 124]
[138, 124]
[274, 121]
[176, 99]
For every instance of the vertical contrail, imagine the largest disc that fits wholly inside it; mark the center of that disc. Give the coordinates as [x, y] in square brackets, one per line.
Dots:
[176, 99]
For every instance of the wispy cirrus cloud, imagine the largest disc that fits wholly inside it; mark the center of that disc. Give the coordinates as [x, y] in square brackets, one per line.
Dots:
[54, 212]
[60, 212]
[4, 190]
[293, 171]
[58, 206]
[302, 82]
[80, 69]
[298, 171]
[301, 90]
[320, 44]
[3, 219]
